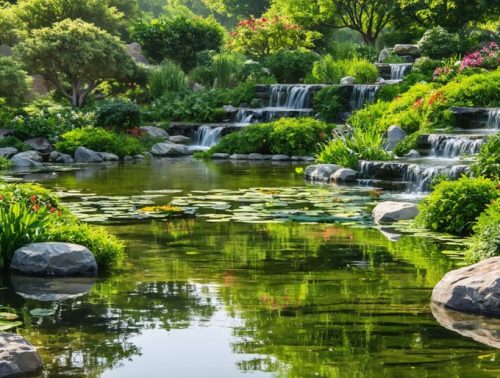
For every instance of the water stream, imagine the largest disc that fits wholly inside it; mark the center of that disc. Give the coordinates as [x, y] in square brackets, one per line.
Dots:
[398, 70]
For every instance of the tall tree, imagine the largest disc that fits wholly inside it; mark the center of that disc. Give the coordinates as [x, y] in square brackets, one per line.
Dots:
[76, 57]
[238, 8]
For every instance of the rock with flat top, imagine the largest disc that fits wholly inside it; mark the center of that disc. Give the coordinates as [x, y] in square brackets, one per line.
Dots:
[17, 356]
[86, 155]
[8, 152]
[170, 149]
[390, 212]
[180, 139]
[39, 144]
[320, 172]
[407, 49]
[155, 132]
[344, 175]
[59, 157]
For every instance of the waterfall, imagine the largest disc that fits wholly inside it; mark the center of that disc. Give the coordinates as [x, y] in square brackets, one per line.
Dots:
[362, 94]
[398, 70]
[243, 116]
[453, 146]
[207, 136]
[290, 96]
[493, 119]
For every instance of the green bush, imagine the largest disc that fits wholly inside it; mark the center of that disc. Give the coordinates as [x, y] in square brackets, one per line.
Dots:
[486, 240]
[118, 114]
[166, 78]
[329, 70]
[13, 81]
[328, 103]
[4, 163]
[454, 206]
[410, 142]
[179, 39]
[292, 66]
[98, 139]
[426, 66]
[437, 43]
[488, 161]
[12, 141]
[289, 136]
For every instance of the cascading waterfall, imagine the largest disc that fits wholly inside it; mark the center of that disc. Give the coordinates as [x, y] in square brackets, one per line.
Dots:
[493, 119]
[290, 96]
[362, 94]
[207, 136]
[398, 70]
[243, 116]
[449, 146]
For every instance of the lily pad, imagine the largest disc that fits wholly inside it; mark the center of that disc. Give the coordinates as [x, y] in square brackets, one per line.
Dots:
[42, 312]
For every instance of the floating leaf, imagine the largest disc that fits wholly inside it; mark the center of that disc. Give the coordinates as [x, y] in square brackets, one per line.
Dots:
[41, 312]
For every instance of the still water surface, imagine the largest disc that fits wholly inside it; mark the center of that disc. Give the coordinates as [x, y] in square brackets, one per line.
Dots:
[273, 277]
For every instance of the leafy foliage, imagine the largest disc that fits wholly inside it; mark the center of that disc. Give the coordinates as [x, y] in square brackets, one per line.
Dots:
[13, 82]
[486, 239]
[329, 70]
[291, 66]
[438, 43]
[488, 161]
[179, 39]
[166, 78]
[410, 142]
[454, 206]
[118, 114]
[328, 102]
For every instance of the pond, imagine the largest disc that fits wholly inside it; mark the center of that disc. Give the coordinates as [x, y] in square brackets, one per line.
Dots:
[267, 277]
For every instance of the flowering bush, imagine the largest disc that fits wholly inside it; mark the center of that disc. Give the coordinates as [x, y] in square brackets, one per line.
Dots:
[487, 57]
[258, 37]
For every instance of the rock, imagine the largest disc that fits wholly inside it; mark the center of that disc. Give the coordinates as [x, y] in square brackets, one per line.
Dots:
[128, 159]
[108, 156]
[86, 155]
[46, 289]
[8, 152]
[219, 155]
[54, 259]
[139, 157]
[384, 54]
[348, 80]
[32, 155]
[475, 288]
[5, 133]
[485, 330]
[407, 49]
[59, 157]
[155, 132]
[134, 51]
[148, 155]
[320, 172]
[6, 50]
[27, 159]
[39, 144]
[280, 157]
[255, 156]
[17, 356]
[169, 149]
[180, 139]
[238, 157]
[344, 175]
[389, 211]
[395, 134]
[413, 154]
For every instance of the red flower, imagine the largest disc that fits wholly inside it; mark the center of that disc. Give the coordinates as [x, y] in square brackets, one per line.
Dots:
[33, 198]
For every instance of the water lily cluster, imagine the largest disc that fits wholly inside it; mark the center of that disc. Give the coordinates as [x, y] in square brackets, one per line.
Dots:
[163, 210]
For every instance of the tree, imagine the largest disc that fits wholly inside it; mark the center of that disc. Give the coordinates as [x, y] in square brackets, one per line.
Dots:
[36, 14]
[238, 8]
[367, 17]
[76, 57]
[13, 82]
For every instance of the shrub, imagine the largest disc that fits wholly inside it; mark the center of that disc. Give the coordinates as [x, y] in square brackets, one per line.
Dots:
[454, 205]
[437, 43]
[364, 71]
[289, 136]
[13, 82]
[261, 37]
[98, 139]
[291, 66]
[118, 114]
[225, 70]
[179, 39]
[4, 163]
[426, 67]
[410, 142]
[329, 70]
[488, 161]
[486, 239]
[328, 103]
[12, 141]
[166, 78]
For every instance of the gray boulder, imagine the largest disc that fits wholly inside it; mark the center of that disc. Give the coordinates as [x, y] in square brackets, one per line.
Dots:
[5, 133]
[139, 157]
[475, 288]
[280, 157]
[108, 156]
[6, 50]
[59, 157]
[128, 159]
[320, 172]
[134, 50]
[348, 80]
[28, 159]
[219, 155]
[256, 156]
[32, 155]
[39, 144]
[395, 134]
[169, 149]
[8, 152]
[17, 356]
[54, 259]
[407, 49]
[384, 54]
[389, 211]
[344, 175]
[180, 139]
[155, 132]
[86, 155]
[238, 157]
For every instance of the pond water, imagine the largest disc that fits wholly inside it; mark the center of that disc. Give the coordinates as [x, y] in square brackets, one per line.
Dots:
[272, 277]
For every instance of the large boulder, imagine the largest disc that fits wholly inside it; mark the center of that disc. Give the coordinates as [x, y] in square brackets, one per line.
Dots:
[348, 80]
[86, 155]
[108, 156]
[59, 157]
[39, 144]
[257, 156]
[28, 159]
[475, 288]
[384, 54]
[8, 152]
[344, 175]
[180, 139]
[170, 149]
[407, 49]
[395, 134]
[280, 157]
[54, 259]
[320, 172]
[17, 356]
[389, 211]
[155, 132]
